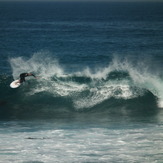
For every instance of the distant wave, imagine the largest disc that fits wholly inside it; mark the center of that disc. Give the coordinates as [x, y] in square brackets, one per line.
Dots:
[122, 84]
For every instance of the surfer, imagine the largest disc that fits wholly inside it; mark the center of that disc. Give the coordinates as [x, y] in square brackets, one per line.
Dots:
[23, 75]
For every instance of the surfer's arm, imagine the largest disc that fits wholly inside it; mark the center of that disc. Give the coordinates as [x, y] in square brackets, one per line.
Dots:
[33, 75]
[36, 77]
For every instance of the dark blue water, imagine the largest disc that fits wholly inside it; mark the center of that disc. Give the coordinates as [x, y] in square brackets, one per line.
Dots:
[100, 70]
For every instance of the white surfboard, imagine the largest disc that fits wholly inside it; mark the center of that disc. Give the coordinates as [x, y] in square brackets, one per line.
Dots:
[15, 84]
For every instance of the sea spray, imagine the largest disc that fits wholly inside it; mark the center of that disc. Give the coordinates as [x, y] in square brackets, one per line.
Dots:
[40, 63]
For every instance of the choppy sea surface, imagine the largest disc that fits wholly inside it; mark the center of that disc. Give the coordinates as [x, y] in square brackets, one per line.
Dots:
[99, 92]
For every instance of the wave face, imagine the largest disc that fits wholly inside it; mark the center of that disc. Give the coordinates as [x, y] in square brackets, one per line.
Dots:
[124, 87]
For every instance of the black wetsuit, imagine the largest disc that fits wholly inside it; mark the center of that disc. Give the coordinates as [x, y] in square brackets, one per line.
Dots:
[23, 75]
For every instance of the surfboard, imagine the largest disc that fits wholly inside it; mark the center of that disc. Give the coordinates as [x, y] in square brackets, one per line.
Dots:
[15, 84]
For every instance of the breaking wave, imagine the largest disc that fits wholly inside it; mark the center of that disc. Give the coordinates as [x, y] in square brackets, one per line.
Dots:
[123, 83]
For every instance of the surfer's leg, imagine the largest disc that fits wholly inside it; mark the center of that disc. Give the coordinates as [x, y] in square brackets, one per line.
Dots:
[22, 79]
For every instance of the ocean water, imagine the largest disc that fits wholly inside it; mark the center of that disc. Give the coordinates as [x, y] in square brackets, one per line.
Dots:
[99, 92]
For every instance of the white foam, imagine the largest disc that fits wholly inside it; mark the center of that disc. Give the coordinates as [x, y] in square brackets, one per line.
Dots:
[160, 104]
[143, 76]
[102, 93]
[58, 142]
